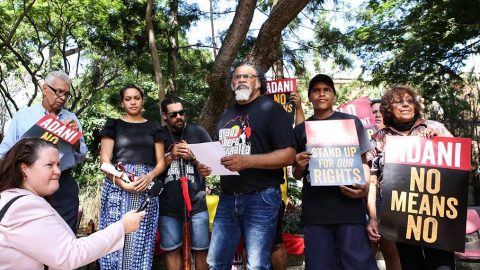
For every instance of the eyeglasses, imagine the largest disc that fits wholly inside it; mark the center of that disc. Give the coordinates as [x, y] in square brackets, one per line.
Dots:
[400, 102]
[174, 114]
[60, 93]
[237, 77]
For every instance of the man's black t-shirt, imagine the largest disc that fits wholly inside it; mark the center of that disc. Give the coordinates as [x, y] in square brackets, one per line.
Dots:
[134, 142]
[327, 204]
[171, 199]
[259, 127]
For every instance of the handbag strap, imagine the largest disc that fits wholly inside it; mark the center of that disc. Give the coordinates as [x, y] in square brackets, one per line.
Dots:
[8, 204]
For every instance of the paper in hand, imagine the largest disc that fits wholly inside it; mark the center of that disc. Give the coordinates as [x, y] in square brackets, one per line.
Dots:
[210, 153]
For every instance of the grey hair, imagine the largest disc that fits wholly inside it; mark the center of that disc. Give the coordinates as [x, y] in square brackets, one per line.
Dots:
[57, 75]
[260, 74]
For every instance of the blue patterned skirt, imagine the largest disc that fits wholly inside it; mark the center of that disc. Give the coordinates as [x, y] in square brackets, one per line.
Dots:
[137, 252]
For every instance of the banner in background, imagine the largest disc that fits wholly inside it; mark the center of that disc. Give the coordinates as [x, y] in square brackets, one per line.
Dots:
[361, 108]
[280, 91]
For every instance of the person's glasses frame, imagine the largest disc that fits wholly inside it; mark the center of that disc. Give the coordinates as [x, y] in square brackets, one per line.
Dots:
[237, 77]
[60, 93]
[174, 114]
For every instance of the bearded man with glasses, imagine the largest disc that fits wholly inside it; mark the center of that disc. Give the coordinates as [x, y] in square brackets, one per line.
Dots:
[258, 139]
[55, 91]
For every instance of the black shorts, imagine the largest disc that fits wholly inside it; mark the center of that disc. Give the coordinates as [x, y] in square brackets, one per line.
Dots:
[278, 232]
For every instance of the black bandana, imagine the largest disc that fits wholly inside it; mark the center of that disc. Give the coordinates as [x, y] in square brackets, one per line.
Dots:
[404, 127]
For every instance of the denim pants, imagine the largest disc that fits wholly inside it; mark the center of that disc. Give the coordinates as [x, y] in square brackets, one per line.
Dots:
[253, 216]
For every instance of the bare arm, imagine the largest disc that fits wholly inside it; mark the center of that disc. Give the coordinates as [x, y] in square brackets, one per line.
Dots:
[276, 159]
[299, 114]
[106, 150]
[143, 181]
[372, 228]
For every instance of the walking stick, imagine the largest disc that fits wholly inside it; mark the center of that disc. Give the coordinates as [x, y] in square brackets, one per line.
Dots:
[186, 248]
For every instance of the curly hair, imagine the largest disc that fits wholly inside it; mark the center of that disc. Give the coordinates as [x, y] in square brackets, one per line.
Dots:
[24, 151]
[393, 94]
[260, 74]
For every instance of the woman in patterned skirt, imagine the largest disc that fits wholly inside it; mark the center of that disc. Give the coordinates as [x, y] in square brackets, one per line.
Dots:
[136, 146]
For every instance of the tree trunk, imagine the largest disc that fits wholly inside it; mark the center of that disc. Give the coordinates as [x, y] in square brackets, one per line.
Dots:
[172, 47]
[263, 53]
[153, 51]
[236, 34]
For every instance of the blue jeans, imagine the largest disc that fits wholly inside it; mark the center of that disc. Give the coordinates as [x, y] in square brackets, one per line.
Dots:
[253, 216]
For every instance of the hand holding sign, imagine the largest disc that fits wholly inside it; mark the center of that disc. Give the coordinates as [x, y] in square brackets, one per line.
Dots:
[355, 191]
[71, 123]
[302, 159]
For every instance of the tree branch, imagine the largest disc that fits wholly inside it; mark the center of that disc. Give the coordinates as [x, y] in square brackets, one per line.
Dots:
[232, 43]
[15, 26]
[264, 51]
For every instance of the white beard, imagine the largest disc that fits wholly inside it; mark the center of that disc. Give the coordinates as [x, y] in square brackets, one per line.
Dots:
[243, 93]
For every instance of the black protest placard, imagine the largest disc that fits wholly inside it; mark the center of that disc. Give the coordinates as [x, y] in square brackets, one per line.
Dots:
[336, 159]
[425, 189]
[280, 91]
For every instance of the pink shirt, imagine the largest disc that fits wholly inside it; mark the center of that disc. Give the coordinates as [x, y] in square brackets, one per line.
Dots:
[33, 234]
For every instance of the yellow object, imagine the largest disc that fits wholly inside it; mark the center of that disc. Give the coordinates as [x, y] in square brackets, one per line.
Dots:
[212, 202]
[284, 186]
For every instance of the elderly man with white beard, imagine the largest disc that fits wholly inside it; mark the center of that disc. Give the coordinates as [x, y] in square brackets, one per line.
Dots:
[259, 140]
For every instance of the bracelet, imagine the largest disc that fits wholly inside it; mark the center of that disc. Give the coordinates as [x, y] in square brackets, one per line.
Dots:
[113, 180]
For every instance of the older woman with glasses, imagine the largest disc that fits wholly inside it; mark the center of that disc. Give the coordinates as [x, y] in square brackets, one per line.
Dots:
[401, 112]
[135, 145]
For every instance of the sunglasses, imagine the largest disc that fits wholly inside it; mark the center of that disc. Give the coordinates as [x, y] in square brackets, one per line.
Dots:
[174, 114]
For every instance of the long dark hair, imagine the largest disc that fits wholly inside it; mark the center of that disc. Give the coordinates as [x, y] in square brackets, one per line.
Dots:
[25, 152]
[389, 98]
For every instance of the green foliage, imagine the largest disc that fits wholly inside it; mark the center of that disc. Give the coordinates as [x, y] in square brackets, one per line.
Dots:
[292, 222]
[424, 44]
[213, 184]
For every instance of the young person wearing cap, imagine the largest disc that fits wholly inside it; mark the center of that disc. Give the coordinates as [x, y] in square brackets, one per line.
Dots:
[334, 217]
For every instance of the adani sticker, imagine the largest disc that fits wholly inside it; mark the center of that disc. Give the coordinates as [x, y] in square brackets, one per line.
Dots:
[280, 91]
[336, 158]
[425, 191]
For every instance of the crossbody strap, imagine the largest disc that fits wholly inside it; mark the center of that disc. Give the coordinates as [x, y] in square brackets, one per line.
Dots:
[7, 205]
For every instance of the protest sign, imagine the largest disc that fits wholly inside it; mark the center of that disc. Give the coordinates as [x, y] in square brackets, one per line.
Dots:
[336, 158]
[280, 91]
[361, 108]
[55, 131]
[425, 191]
